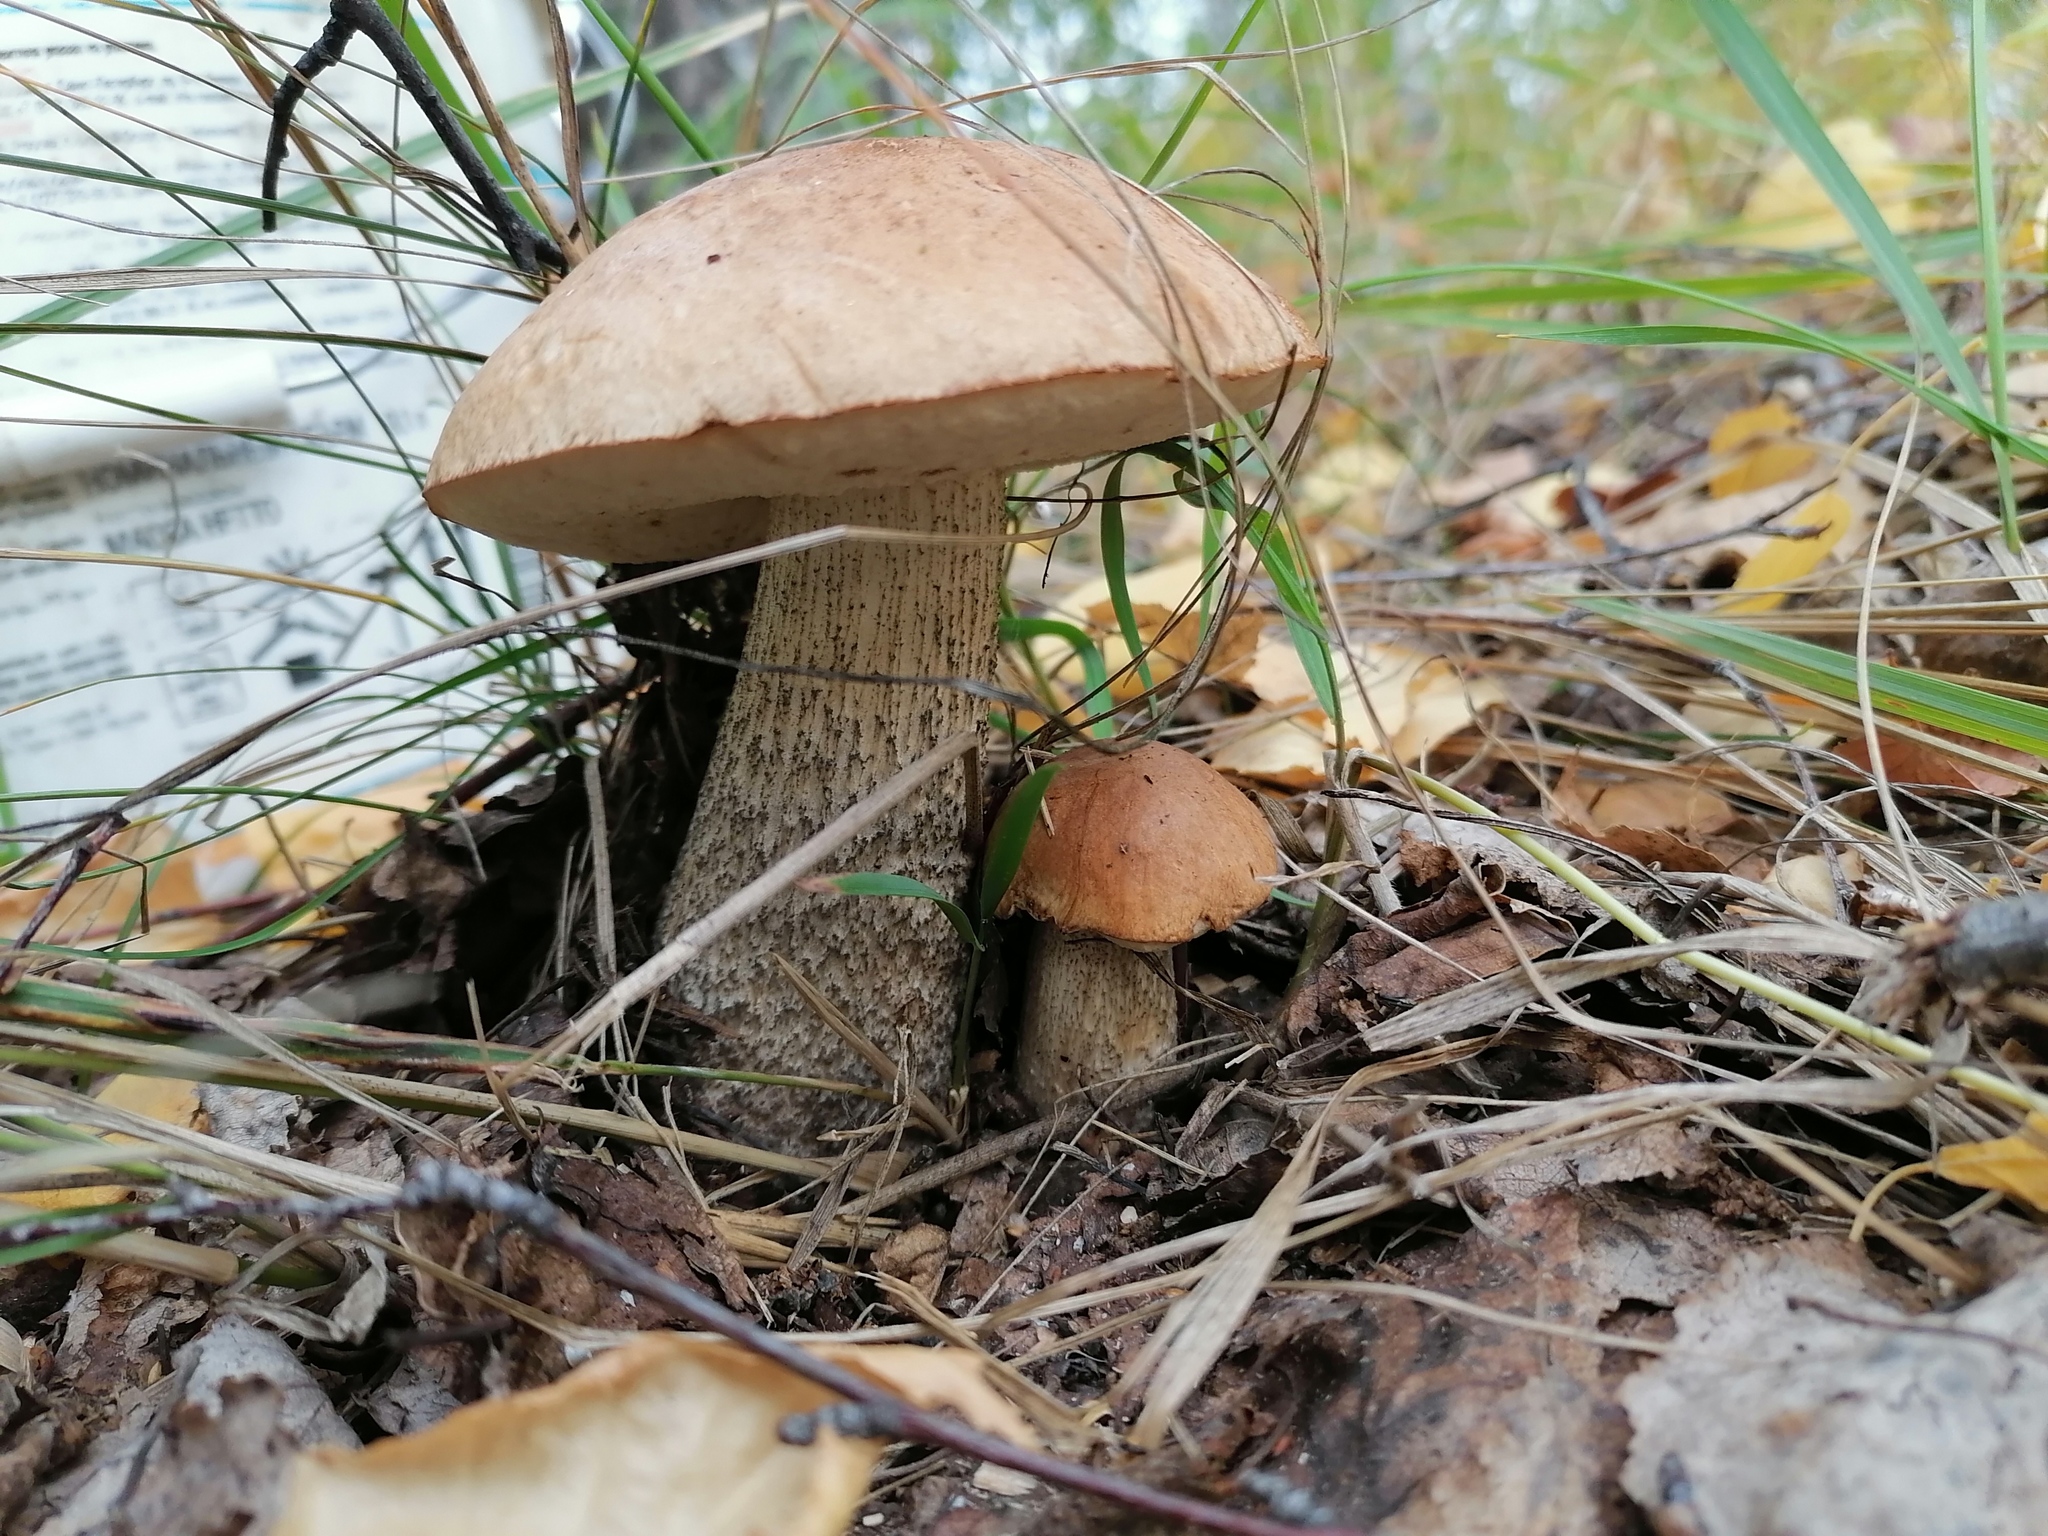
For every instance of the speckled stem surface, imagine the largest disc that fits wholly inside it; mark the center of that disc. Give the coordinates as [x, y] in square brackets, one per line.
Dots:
[795, 751]
[1094, 1013]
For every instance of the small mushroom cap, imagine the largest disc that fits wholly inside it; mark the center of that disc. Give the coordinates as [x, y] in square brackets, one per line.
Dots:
[1148, 848]
[863, 314]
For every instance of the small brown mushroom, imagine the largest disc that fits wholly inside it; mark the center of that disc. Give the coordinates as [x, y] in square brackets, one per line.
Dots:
[1143, 851]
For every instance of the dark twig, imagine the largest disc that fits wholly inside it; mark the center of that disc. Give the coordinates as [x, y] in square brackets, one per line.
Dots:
[74, 866]
[876, 1412]
[546, 732]
[529, 249]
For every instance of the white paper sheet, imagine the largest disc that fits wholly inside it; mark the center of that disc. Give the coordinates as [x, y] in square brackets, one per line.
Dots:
[198, 655]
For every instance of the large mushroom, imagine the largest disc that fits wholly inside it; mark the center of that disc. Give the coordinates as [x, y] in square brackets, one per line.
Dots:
[1135, 853]
[875, 333]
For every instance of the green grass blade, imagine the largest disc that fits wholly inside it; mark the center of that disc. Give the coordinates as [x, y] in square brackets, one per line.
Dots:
[237, 333]
[1751, 60]
[1114, 571]
[1932, 701]
[1018, 631]
[1007, 838]
[297, 208]
[651, 82]
[1608, 290]
[1984, 183]
[875, 884]
[1195, 104]
[1787, 335]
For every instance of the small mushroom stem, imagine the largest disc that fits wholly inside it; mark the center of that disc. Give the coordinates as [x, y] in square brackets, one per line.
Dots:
[1094, 1013]
[794, 751]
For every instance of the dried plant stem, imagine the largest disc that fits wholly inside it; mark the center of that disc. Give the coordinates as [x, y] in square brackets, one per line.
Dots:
[875, 1411]
[1976, 1079]
[750, 898]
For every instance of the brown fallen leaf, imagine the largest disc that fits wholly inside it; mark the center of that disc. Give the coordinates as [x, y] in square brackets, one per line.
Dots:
[1659, 820]
[205, 1450]
[1907, 761]
[1476, 951]
[671, 1434]
[1413, 1420]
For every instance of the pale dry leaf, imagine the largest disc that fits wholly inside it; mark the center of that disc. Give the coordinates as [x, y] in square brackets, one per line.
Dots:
[1808, 880]
[1788, 209]
[668, 1435]
[1806, 1398]
[1418, 700]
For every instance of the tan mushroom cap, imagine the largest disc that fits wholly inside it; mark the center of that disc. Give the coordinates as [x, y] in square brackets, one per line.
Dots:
[1149, 849]
[863, 314]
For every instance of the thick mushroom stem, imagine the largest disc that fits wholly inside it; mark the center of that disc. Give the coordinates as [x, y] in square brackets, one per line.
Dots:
[1095, 1014]
[794, 751]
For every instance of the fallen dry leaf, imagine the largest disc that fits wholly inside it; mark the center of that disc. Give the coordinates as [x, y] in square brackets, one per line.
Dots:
[171, 1100]
[1659, 820]
[1833, 511]
[2013, 1165]
[1788, 209]
[316, 839]
[1171, 646]
[1768, 461]
[1416, 1421]
[1909, 761]
[206, 1450]
[1419, 700]
[1808, 880]
[669, 1435]
[1808, 1396]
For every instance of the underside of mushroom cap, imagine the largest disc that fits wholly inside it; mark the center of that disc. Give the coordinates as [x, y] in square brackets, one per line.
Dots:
[863, 314]
[1148, 848]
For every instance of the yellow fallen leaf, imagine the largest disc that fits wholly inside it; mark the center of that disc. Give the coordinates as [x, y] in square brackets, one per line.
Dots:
[1787, 560]
[1769, 460]
[1169, 584]
[1418, 700]
[168, 1099]
[318, 840]
[669, 1435]
[2013, 1165]
[1172, 647]
[1441, 702]
[1787, 209]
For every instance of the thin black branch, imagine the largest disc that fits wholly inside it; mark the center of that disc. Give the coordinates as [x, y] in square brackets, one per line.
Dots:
[877, 1410]
[529, 249]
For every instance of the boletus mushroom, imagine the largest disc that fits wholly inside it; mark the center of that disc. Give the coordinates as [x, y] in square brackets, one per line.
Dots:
[1136, 852]
[870, 333]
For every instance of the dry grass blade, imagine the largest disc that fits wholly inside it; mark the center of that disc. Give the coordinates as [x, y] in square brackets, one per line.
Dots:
[750, 898]
[1197, 1328]
[1480, 1003]
[199, 1066]
[885, 1067]
[211, 1265]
